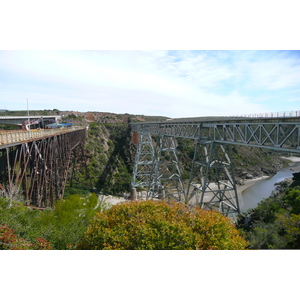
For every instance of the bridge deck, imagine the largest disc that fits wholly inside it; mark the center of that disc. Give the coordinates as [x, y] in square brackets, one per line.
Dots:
[10, 138]
[230, 119]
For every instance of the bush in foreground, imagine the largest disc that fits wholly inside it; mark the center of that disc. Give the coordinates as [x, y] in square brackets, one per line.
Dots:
[10, 241]
[160, 226]
[62, 227]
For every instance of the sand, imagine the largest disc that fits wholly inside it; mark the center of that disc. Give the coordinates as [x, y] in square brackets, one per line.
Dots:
[240, 188]
[291, 158]
[112, 199]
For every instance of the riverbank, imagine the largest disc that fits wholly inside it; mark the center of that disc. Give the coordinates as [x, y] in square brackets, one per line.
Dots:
[248, 183]
[240, 188]
[292, 161]
[291, 158]
[252, 195]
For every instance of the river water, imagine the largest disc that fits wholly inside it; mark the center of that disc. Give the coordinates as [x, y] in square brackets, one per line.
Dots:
[264, 188]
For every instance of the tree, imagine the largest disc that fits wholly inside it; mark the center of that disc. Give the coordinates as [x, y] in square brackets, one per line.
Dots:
[156, 225]
[290, 228]
[275, 222]
[296, 179]
[292, 200]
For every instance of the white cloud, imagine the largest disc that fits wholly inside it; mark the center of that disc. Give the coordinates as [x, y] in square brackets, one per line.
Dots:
[269, 70]
[202, 70]
[180, 83]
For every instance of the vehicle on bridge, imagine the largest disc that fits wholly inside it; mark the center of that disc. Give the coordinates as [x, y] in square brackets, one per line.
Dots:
[58, 125]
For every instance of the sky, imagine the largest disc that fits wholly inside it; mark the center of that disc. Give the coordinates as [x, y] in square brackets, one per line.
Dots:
[172, 83]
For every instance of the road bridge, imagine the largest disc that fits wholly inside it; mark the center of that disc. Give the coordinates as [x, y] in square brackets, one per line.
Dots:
[34, 164]
[212, 183]
[21, 121]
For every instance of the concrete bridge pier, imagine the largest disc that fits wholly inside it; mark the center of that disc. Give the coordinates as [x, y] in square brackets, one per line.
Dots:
[133, 194]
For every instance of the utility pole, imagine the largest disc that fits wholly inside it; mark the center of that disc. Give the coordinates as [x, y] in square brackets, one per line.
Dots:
[28, 116]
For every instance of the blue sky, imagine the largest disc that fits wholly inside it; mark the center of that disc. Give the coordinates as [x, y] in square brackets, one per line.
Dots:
[169, 83]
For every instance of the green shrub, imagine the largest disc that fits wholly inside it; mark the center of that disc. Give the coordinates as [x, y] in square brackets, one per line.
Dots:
[292, 200]
[62, 226]
[290, 230]
[158, 225]
[275, 222]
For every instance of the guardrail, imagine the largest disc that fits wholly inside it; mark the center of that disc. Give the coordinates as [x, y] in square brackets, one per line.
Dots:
[282, 114]
[31, 117]
[16, 136]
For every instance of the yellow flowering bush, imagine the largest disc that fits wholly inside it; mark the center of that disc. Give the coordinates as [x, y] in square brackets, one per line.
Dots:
[157, 225]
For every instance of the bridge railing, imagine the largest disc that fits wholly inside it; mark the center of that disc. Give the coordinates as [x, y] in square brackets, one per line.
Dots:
[282, 114]
[15, 136]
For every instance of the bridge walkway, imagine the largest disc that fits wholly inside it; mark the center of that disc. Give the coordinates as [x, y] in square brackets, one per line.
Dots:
[10, 138]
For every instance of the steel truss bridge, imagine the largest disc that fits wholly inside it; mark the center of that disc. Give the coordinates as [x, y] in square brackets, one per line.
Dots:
[212, 182]
[36, 163]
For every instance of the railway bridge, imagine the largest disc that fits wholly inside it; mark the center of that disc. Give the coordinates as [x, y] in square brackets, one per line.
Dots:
[35, 163]
[212, 182]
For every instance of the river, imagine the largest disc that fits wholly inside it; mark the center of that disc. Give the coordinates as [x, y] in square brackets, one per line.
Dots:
[264, 188]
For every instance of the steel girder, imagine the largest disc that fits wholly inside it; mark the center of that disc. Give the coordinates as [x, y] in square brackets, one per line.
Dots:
[272, 135]
[284, 136]
[192, 131]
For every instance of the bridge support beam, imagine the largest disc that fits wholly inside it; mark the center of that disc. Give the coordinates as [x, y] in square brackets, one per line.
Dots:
[167, 180]
[145, 161]
[37, 170]
[157, 170]
[212, 182]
